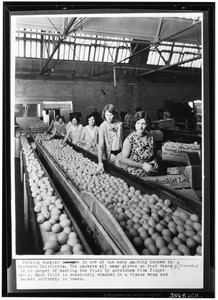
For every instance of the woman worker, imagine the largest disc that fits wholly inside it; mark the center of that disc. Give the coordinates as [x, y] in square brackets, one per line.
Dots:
[90, 133]
[138, 148]
[110, 136]
[74, 130]
[59, 128]
[53, 122]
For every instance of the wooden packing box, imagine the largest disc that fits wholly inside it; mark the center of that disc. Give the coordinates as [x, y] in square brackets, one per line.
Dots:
[177, 156]
[164, 123]
[194, 174]
[173, 181]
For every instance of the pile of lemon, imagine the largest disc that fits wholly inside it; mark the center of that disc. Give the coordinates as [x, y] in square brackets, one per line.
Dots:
[152, 224]
[59, 235]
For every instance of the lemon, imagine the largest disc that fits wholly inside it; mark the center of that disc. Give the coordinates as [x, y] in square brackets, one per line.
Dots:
[52, 245]
[180, 228]
[184, 216]
[155, 235]
[160, 242]
[166, 231]
[56, 228]
[153, 249]
[138, 243]
[191, 243]
[49, 252]
[189, 222]
[40, 218]
[145, 252]
[47, 215]
[66, 249]
[159, 227]
[151, 231]
[63, 216]
[62, 238]
[137, 225]
[176, 252]
[173, 230]
[168, 218]
[148, 241]
[53, 237]
[171, 224]
[151, 222]
[54, 219]
[72, 241]
[167, 202]
[51, 207]
[161, 213]
[37, 208]
[177, 241]
[47, 226]
[164, 251]
[144, 234]
[65, 223]
[155, 216]
[73, 234]
[197, 226]
[188, 227]
[190, 233]
[184, 249]
[194, 217]
[198, 239]
[168, 238]
[171, 247]
[199, 250]
[133, 232]
[140, 228]
[163, 222]
[182, 236]
[77, 248]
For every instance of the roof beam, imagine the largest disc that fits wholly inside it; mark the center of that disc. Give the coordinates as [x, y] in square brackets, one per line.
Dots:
[153, 44]
[61, 39]
[169, 66]
[76, 24]
[89, 38]
[159, 28]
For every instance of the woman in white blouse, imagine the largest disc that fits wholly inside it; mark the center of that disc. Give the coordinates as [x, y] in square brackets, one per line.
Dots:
[74, 130]
[110, 137]
[90, 133]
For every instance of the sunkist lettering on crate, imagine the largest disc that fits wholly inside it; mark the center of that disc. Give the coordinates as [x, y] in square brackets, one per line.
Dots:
[171, 180]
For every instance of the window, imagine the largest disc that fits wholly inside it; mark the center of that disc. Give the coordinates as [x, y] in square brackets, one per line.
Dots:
[79, 47]
[93, 48]
[175, 53]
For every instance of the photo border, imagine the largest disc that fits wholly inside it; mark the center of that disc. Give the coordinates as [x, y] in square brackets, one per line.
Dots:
[208, 10]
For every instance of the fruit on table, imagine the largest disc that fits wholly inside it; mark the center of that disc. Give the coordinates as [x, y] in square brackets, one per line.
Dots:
[176, 146]
[39, 125]
[50, 210]
[152, 224]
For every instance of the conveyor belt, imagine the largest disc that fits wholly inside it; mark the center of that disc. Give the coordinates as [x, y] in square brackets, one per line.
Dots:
[92, 235]
[178, 199]
[164, 192]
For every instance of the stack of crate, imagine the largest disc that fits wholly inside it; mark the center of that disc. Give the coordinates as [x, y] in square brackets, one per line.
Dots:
[198, 107]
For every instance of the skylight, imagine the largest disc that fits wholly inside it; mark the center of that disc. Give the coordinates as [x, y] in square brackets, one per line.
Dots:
[37, 44]
[174, 54]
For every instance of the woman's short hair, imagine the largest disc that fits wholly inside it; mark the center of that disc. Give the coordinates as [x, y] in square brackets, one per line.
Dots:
[75, 116]
[91, 116]
[111, 108]
[61, 117]
[142, 115]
